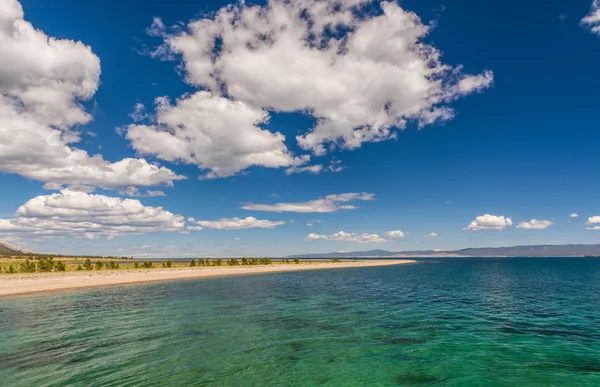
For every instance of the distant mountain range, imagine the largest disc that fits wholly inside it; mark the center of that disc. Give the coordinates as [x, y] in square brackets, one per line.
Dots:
[514, 251]
[9, 248]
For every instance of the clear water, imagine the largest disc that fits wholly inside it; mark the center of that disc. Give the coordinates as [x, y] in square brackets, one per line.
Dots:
[453, 322]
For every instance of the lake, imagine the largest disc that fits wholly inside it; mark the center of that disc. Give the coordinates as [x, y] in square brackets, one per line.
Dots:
[442, 322]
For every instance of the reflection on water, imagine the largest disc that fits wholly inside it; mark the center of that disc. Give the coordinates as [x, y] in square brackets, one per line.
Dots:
[444, 322]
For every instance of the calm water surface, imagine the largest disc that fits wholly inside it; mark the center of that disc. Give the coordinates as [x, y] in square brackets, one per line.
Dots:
[452, 322]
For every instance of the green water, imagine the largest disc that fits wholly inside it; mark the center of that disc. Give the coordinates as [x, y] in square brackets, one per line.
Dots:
[453, 322]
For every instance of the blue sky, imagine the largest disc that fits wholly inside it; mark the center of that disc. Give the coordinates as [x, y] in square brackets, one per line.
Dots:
[521, 143]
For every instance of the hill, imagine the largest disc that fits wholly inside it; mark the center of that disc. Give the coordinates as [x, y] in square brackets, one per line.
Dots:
[513, 251]
[9, 248]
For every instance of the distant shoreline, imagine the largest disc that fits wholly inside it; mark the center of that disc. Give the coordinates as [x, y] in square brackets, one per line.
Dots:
[27, 283]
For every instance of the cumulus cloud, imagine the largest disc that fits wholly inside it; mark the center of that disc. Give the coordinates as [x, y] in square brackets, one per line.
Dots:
[238, 224]
[330, 203]
[214, 133]
[396, 234]
[134, 191]
[357, 238]
[489, 222]
[43, 82]
[593, 220]
[347, 237]
[535, 224]
[592, 20]
[431, 235]
[574, 215]
[595, 228]
[82, 215]
[360, 74]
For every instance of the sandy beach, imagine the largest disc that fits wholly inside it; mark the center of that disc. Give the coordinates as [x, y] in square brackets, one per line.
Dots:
[15, 284]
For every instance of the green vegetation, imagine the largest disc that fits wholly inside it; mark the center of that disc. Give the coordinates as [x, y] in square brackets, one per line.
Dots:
[87, 265]
[296, 261]
[335, 260]
[192, 263]
[233, 262]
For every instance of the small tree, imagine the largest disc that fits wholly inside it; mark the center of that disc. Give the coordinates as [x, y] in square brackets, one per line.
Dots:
[244, 261]
[79, 268]
[87, 265]
[296, 261]
[217, 262]
[11, 269]
[99, 265]
[27, 267]
[169, 263]
[60, 266]
[193, 263]
[136, 265]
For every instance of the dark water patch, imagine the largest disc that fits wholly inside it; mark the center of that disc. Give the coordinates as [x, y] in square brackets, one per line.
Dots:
[417, 379]
[405, 341]
[587, 366]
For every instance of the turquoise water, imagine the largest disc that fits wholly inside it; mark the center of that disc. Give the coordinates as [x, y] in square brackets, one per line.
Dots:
[452, 322]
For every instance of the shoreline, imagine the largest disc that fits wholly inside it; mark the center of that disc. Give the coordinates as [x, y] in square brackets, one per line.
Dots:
[29, 283]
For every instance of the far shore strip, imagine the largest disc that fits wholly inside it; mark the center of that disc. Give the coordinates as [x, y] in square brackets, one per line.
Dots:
[25, 283]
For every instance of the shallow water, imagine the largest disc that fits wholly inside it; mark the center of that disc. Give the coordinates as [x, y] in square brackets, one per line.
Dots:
[444, 322]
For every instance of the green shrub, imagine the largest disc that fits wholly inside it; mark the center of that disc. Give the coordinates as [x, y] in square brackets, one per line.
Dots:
[99, 265]
[79, 267]
[169, 263]
[136, 265]
[45, 264]
[192, 263]
[296, 261]
[335, 260]
[87, 265]
[11, 269]
[27, 267]
[217, 262]
[148, 265]
[60, 266]
[244, 261]
[233, 262]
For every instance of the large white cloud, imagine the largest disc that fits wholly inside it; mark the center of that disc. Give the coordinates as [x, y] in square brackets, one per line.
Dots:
[535, 224]
[489, 222]
[330, 203]
[361, 74]
[238, 224]
[213, 132]
[395, 234]
[43, 81]
[592, 20]
[593, 220]
[82, 215]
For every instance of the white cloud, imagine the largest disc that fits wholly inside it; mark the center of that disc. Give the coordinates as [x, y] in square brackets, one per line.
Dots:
[396, 234]
[489, 222]
[592, 20]
[347, 237]
[357, 238]
[312, 222]
[330, 203]
[134, 191]
[431, 235]
[314, 169]
[214, 133]
[43, 81]
[238, 224]
[535, 224]
[81, 215]
[360, 77]
[593, 220]
[574, 215]
[595, 228]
